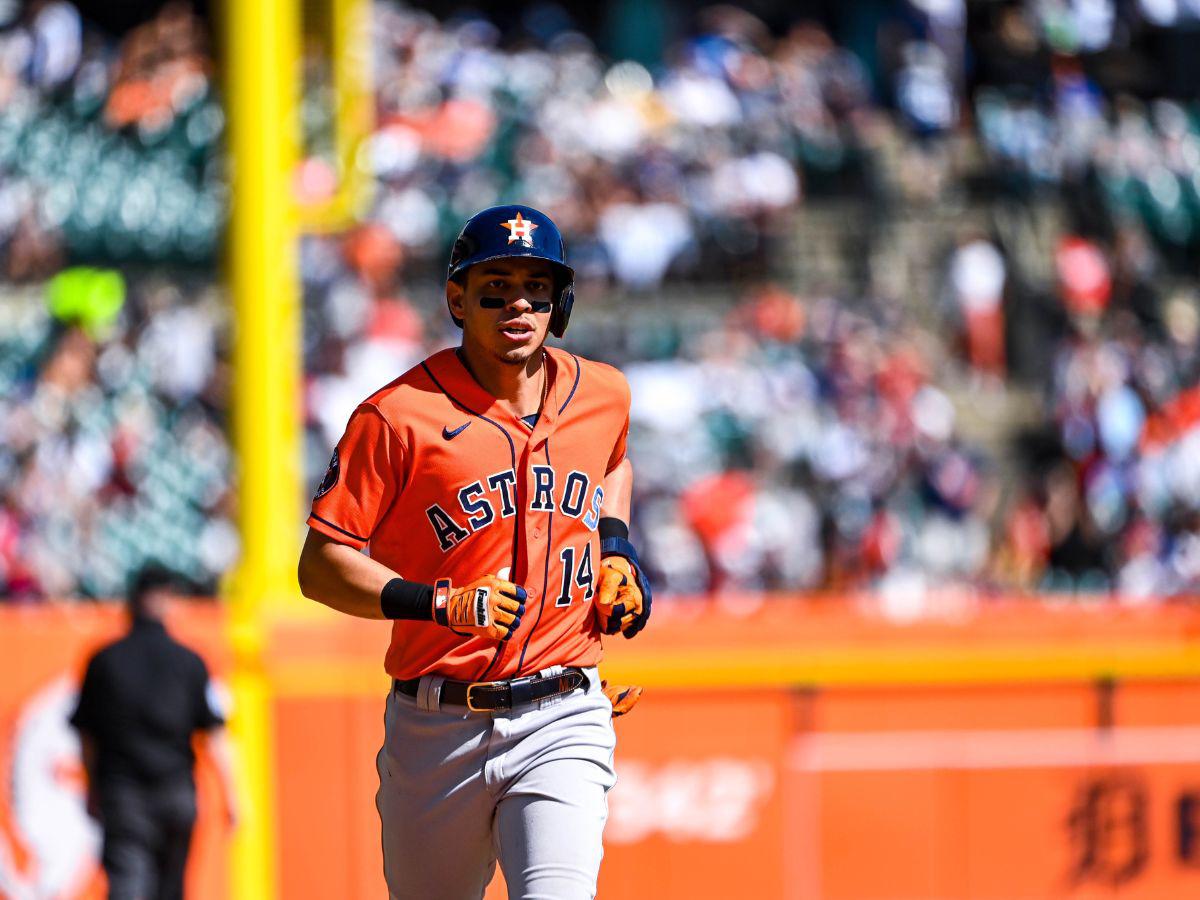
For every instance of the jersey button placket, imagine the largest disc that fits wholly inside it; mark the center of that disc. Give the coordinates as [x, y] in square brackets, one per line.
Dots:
[537, 517]
[521, 526]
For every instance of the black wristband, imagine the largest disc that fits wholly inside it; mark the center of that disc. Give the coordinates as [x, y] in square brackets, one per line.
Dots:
[611, 526]
[402, 599]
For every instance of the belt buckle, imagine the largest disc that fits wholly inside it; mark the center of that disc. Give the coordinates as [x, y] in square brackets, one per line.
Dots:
[470, 687]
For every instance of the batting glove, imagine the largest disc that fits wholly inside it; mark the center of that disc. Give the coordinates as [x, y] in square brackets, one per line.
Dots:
[623, 697]
[618, 599]
[625, 607]
[487, 607]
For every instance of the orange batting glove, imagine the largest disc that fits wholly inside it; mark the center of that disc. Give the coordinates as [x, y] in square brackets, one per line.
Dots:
[622, 697]
[487, 607]
[618, 597]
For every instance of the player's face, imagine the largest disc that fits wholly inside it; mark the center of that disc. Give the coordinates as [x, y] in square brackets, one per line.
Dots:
[505, 307]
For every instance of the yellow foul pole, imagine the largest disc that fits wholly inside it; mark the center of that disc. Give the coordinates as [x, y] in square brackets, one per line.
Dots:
[261, 46]
[353, 116]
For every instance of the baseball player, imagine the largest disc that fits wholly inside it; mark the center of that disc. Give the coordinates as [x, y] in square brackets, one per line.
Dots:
[490, 485]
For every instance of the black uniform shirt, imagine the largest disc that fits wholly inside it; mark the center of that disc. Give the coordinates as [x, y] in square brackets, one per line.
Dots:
[142, 699]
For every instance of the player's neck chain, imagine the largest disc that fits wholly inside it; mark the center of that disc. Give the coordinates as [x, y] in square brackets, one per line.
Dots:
[545, 387]
[462, 358]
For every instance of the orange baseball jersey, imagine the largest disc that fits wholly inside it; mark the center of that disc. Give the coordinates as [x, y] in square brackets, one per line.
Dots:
[440, 480]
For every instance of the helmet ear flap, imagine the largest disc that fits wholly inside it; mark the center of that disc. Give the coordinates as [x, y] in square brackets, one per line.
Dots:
[465, 246]
[561, 314]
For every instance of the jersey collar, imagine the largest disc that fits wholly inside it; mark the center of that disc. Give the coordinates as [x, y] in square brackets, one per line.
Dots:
[562, 371]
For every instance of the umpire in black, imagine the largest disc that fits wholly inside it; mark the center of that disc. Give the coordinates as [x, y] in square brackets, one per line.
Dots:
[143, 699]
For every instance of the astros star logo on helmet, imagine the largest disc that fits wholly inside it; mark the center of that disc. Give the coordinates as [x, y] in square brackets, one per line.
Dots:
[520, 229]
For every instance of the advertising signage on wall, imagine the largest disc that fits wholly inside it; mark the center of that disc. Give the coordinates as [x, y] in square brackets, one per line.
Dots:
[986, 789]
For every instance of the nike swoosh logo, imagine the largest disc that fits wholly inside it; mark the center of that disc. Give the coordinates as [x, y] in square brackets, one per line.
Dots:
[451, 435]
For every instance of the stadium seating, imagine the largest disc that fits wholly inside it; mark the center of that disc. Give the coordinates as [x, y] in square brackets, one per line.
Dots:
[825, 268]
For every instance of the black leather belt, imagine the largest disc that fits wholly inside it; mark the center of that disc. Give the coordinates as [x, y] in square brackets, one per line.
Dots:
[492, 696]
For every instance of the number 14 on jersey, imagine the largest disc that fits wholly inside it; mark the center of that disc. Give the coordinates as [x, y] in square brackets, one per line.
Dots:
[582, 576]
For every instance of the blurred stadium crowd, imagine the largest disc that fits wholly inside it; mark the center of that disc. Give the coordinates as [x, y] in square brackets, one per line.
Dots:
[782, 439]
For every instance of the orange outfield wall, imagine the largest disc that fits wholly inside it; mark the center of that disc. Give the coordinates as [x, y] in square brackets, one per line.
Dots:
[792, 749]
[48, 845]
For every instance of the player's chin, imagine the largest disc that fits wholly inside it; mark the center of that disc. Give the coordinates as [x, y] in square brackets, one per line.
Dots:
[518, 356]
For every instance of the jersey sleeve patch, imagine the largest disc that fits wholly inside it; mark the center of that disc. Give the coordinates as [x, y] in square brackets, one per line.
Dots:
[361, 480]
[331, 476]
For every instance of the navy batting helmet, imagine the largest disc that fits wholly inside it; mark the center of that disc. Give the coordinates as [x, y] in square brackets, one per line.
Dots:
[503, 231]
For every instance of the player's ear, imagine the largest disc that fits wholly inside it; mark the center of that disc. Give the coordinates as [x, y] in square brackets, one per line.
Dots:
[456, 298]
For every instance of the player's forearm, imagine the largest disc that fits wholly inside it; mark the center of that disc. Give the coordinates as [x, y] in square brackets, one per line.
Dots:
[618, 489]
[341, 577]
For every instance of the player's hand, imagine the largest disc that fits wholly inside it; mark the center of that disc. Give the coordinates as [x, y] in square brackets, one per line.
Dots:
[487, 607]
[618, 597]
[623, 697]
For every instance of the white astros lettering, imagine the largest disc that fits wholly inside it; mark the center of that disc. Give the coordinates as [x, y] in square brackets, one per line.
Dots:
[481, 510]
[478, 504]
[506, 483]
[573, 493]
[543, 498]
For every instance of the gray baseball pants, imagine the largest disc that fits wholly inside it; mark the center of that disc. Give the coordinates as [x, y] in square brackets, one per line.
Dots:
[460, 790]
